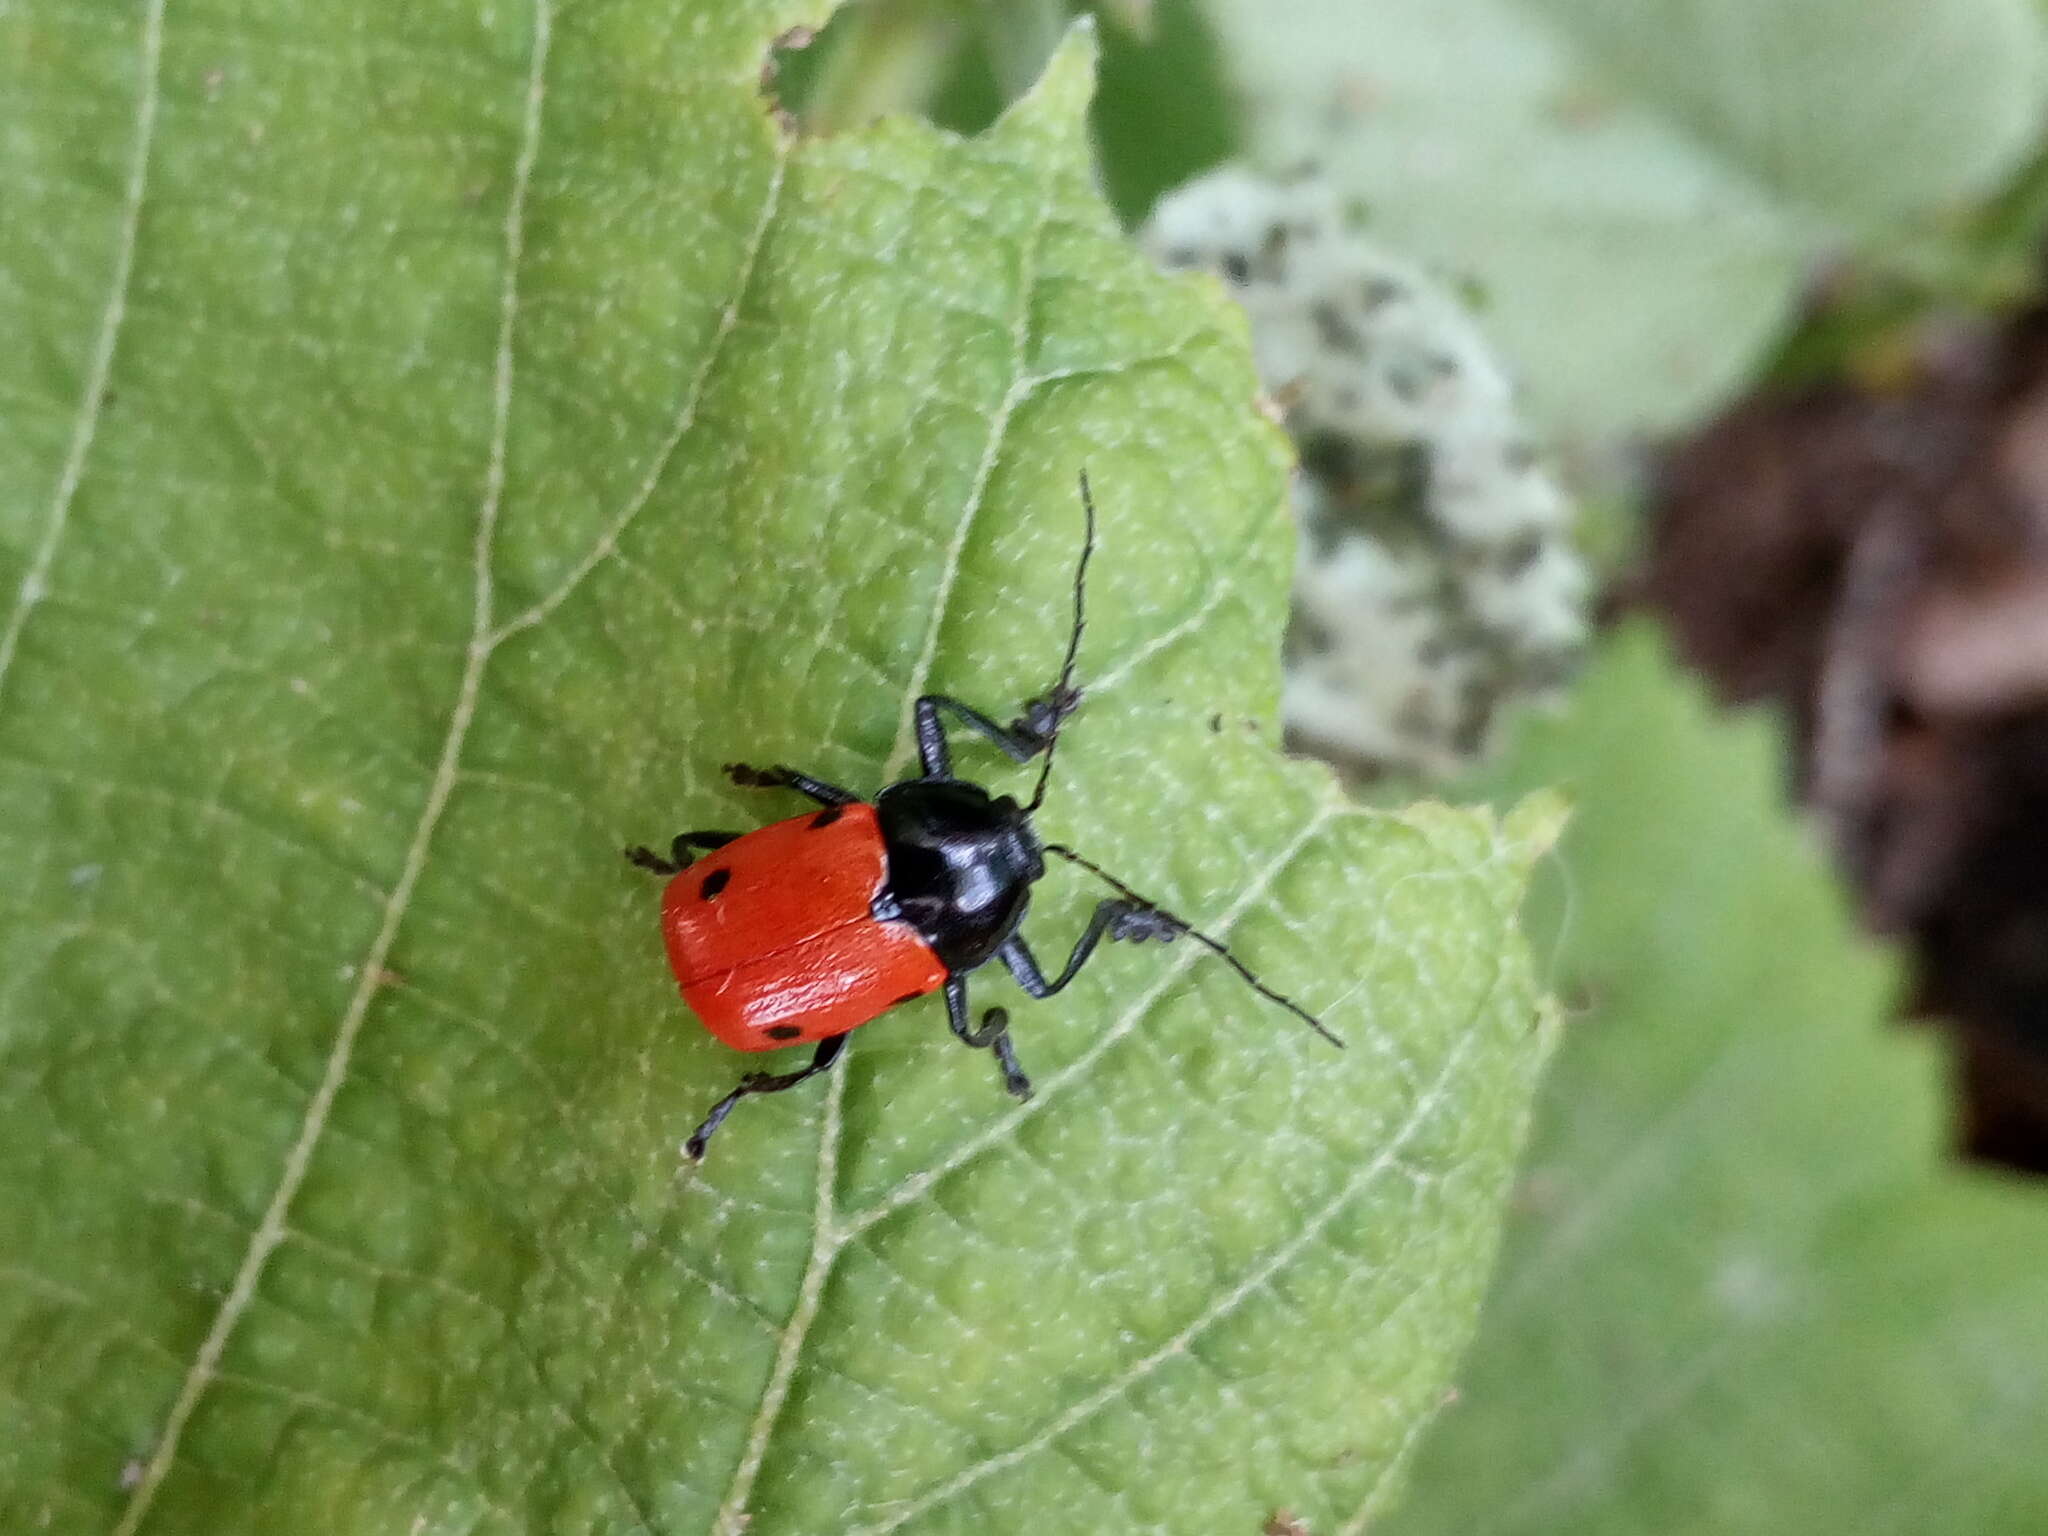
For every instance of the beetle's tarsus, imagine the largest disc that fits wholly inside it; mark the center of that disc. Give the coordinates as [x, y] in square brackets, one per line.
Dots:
[1135, 923]
[1041, 718]
[1015, 1083]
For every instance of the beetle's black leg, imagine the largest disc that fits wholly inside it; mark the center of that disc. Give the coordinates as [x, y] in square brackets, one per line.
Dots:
[994, 1035]
[1114, 919]
[1022, 739]
[780, 777]
[761, 1082]
[710, 842]
[678, 851]
[933, 755]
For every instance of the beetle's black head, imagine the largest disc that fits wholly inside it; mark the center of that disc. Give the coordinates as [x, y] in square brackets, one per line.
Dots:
[961, 864]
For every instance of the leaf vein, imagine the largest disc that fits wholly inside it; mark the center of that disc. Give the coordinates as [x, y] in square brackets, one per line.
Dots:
[1050, 1085]
[1256, 1280]
[685, 417]
[92, 403]
[828, 1236]
[1021, 387]
[271, 1228]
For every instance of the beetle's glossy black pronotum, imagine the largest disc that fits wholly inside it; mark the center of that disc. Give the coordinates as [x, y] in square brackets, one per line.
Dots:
[805, 930]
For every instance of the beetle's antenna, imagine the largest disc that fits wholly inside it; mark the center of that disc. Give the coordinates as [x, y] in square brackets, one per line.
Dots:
[1217, 946]
[1063, 689]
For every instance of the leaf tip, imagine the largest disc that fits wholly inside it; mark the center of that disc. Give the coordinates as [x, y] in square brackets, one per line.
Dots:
[1531, 829]
[1064, 89]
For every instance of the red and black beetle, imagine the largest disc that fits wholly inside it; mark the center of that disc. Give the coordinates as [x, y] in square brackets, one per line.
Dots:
[805, 930]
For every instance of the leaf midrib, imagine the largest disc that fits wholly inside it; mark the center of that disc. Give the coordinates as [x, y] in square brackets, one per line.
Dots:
[828, 1240]
[271, 1228]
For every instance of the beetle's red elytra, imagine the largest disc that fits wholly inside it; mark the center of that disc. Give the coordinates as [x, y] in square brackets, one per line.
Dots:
[774, 938]
[804, 930]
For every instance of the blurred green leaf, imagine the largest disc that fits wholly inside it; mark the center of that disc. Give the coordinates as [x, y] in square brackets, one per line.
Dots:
[1164, 113]
[1742, 1292]
[1642, 188]
[1873, 321]
[442, 437]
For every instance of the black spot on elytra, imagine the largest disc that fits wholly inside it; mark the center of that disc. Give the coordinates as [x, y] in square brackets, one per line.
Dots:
[714, 883]
[826, 817]
[783, 1031]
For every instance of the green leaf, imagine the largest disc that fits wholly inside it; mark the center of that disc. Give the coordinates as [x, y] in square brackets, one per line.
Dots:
[1642, 188]
[444, 436]
[1743, 1292]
